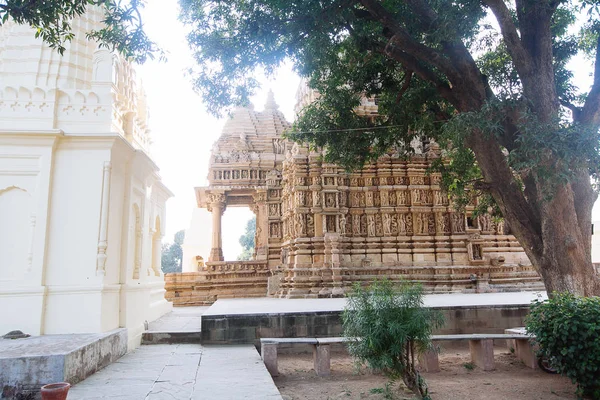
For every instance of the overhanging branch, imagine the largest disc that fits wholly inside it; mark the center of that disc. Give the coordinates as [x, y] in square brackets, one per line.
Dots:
[590, 114]
[519, 55]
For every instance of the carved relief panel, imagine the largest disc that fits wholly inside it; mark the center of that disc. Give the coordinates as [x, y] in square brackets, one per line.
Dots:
[458, 223]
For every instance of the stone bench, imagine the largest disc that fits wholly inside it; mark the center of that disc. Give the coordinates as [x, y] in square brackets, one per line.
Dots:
[321, 352]
[481, 347]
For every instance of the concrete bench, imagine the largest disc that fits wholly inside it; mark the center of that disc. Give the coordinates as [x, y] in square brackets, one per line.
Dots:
[481, 347]
[321, 352]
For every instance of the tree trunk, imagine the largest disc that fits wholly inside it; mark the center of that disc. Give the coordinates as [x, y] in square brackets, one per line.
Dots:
[565, 261]
[555, 231]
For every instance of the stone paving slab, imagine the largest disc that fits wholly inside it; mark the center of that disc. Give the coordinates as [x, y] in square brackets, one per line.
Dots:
[183, 371]
[181, 319]
[234, 372]
[269, 305]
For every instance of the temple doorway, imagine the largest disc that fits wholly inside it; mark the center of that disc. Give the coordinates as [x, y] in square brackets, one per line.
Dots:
[234, 222]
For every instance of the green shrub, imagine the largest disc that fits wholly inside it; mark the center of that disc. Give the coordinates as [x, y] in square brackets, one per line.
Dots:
[567, 330]
[387, 327]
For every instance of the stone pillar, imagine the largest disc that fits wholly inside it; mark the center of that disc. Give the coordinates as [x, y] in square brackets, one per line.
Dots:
[217, 208]
[260, 208]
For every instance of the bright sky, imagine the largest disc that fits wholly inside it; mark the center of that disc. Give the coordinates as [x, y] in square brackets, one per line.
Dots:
[183, 132]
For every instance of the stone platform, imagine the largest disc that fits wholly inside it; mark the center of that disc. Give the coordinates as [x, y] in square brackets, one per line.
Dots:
[182, 325]
[29, 363]
[231, 321]
[182, 372]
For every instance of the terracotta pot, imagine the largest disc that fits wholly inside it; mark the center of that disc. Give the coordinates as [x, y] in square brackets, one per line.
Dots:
[55, 391]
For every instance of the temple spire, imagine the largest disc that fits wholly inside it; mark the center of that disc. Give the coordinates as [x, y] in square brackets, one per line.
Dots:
[270, 104]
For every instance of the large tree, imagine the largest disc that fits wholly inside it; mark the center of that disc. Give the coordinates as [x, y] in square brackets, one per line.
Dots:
[247, 241]
[487, 79]
[172, 254]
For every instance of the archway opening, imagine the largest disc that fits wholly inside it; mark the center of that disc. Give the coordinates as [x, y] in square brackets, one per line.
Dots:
[238, 234]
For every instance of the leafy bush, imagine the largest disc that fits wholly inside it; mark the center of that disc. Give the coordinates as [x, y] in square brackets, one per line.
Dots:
[567, 330]
[387, 327]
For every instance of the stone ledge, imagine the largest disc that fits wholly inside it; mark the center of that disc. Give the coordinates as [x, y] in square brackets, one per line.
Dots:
[28, 364]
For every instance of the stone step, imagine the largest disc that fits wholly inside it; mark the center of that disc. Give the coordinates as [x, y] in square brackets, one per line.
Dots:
[186, 337]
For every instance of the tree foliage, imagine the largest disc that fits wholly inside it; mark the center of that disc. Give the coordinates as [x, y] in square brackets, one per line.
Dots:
[172, 254]
[567, 330]
[247, 241]
[387, 327]
[516, 131]
[52, 21]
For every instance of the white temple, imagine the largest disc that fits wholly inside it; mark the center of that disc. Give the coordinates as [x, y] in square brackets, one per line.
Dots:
[82, 206]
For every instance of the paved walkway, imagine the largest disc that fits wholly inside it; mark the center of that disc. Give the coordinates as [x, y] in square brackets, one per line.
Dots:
[178, 372]
[181, 319]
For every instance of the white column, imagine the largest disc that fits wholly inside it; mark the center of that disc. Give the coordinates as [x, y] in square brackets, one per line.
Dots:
[217, 207]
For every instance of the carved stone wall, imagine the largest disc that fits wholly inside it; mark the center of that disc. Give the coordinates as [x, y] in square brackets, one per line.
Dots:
[388, 219]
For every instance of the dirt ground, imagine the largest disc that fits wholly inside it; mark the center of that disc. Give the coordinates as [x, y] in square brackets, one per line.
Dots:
[510, 381]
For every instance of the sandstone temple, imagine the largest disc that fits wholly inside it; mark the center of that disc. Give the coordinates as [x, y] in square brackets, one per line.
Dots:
[320, 228]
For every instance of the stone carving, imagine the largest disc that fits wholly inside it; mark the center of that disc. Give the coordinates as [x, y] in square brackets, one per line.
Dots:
[363, 225]
[371, 229]
[384, 198]
[342, 225]
[440, 199]
[443, 223]
[485, 223]
[430, 224]
[330, 200]
[354, 199]
[330, 223]
[300, 225]
[310, 225]
[317, 199]
[378, 225]
[458, 223]
[402, 197]
[273, 210]
[273, 177]
[369, 199]
[356, 225]
[387, 224]
[343, 196]
[278, 146]
[417, 180]
[274, 230]
[301, 198]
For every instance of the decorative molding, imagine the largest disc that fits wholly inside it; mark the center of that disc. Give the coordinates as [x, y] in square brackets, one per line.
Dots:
[104, 208]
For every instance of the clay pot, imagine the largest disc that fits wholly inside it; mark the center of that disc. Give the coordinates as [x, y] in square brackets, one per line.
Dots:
[55, 391]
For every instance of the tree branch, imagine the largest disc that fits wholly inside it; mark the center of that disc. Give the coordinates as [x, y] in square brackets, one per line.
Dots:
[419, 69]
[576, 111]
[590, 114]
[406, 42]
[405, 85]
[519, 55]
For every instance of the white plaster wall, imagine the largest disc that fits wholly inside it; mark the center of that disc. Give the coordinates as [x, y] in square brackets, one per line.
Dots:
[52, 283]
[73, 160]
[25, 168]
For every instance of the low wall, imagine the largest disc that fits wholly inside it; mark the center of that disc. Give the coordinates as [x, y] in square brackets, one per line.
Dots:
[249, 328]
[29, 363]
[217, 280]
[243, 279]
